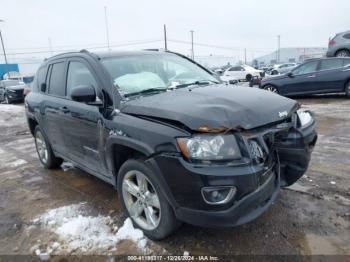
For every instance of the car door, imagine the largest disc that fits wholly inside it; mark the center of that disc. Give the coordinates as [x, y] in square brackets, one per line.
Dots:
[234, 71]
[84, 123]
[53, 106]
[330, 76]
[302, 79]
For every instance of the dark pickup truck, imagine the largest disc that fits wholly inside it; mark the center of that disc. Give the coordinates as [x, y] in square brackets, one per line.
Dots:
[176, 142]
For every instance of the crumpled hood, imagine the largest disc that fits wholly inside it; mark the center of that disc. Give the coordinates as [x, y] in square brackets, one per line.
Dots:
[215, 106]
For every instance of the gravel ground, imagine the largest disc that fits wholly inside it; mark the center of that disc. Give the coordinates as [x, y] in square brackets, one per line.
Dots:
[310, 218]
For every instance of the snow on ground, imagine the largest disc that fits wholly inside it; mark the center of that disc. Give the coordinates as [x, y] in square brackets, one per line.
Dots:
[11, 108]
[82, 233]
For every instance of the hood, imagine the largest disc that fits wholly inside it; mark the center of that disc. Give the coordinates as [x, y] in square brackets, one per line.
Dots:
[18, 87]
[214, 106]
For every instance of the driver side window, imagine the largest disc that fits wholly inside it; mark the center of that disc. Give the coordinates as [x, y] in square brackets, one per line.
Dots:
[79, 74]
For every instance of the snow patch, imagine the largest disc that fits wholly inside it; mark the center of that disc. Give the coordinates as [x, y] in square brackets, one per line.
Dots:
[11, 108]
[66, 166]
[17, 163]
[80, 232]
[333, 182]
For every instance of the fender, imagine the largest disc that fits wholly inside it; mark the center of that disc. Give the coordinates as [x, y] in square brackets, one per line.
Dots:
[148, 151]
[124, 141]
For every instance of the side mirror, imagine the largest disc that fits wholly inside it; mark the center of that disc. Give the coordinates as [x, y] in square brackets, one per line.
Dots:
[43, 87]
[84, 93]
[290, 74]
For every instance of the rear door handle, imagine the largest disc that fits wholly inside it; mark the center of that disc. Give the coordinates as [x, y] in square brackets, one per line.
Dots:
[64, 109]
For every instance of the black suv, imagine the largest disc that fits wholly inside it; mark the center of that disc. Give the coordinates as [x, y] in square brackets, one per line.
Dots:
[177, 143]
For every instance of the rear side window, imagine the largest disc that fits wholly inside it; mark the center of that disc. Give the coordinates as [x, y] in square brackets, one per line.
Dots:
[79, 74]
[331, 64]
[56, 83]
[40, 78]
[347, 36]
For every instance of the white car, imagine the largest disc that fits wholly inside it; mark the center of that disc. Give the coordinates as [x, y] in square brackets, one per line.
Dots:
[282, 68]
[242, 72]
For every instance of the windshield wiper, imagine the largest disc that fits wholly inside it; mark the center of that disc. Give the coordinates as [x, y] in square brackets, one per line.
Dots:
[146, 91]
[198, 83]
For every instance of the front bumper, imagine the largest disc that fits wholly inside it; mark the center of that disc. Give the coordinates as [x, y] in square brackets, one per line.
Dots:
[243, 211]
[257, 184]
[15, 96]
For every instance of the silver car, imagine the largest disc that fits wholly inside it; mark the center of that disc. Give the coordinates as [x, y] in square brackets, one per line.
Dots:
[283, 68]
[339, 45]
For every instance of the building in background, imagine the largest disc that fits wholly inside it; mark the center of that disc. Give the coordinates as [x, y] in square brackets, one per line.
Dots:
[291, 54]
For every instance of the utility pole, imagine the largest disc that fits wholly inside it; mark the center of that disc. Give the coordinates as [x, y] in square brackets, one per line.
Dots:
[107, 33]
[165, 40]
[279, 48]
[50, 46]
[245, 56]
[2, 43]
[192, 51]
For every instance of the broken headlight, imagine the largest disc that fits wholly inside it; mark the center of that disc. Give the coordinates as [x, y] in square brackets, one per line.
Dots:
[210, 147]
[305, 118]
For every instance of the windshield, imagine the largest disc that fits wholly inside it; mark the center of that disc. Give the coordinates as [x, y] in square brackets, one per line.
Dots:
[136, 73]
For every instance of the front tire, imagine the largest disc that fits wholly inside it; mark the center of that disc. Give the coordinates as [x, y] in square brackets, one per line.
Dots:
[248, 77]
[143, 201]
[271, 88]
[44, 150]
[347, 89]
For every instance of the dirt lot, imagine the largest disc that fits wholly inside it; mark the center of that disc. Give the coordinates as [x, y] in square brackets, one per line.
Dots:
[311, 217]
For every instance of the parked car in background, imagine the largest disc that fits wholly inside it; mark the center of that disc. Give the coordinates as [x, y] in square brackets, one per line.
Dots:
[315, 76]
[27, 89]
[339, 45]
[176, 143]
[11, 91]
[243, 72]
[282, 68]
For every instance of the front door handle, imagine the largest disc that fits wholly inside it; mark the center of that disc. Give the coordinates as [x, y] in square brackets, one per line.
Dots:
[64, 109]
[311, 76]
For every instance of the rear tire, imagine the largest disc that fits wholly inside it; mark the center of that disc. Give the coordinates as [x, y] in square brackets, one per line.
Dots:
[44, 150]
[342, 53]
[347, 89]
[163, 217]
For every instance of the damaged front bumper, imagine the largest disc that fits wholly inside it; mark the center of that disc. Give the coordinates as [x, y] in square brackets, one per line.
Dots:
[284, 157]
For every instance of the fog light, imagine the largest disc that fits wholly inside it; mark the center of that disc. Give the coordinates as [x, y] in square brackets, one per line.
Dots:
[218, 195]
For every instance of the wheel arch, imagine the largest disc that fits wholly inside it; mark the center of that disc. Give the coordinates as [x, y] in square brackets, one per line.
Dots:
[32, 123]
[341, 49]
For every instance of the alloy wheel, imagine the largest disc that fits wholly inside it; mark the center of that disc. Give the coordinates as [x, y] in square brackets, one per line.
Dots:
[41, 147]
[271, 88]
[342, 53]
[141, 200]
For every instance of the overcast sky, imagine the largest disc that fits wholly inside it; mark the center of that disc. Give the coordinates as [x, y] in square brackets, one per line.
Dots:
[238, 24]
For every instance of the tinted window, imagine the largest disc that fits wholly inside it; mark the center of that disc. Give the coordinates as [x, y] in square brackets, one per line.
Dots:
[331, 64]
[235, 68]
[79, 74]
[57, 79]
[306, 68]
[347, 36]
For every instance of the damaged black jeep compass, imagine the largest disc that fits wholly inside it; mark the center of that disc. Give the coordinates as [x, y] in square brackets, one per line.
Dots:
[176, 142]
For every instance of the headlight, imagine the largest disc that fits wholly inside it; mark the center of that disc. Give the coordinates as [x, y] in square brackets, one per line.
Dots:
[305, 118]
[210, 147]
